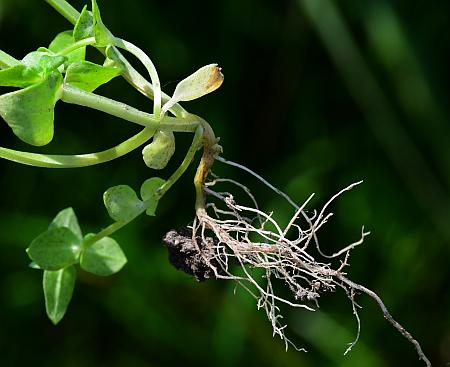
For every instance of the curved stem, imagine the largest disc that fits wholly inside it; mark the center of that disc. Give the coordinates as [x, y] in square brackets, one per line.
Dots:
[196, 142]
[78, 96]
[79, 160]
[82, 43]
[143, 86]
[142, 56]
[130, 74]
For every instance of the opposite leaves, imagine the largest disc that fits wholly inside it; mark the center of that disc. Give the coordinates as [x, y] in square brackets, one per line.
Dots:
[59, 249]
[122, 203]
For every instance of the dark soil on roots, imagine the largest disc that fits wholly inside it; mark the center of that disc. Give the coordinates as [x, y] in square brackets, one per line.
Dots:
[188, 255]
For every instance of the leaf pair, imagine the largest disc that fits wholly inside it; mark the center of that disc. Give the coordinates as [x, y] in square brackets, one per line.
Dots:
[29, 112]
[79, 72]
[57, 250]
[63, 245]
[122, 202]
[90, 24]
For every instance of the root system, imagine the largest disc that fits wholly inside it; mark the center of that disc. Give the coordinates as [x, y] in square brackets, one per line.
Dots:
[246, 245]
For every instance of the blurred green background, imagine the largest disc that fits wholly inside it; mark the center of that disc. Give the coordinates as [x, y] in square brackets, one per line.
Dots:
[318, 94]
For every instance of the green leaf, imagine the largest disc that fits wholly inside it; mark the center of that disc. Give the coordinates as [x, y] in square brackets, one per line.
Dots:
[42, 62]
[19, 76]
[64, 40]
[157, 154]
[149, 193]
[58, 290]
[89, 76]
[84, 28]
[55, 249]
[205, 80]
[29, 112]
[122, 203]
[102, 35]
[67, 218]
[35, 67]
[104, 257]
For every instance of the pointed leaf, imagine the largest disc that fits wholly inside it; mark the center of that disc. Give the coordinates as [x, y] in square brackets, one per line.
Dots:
[84, 28]
[29, 112]
[150, 193]
[102, 35]
[89, 76]
[122, 203]
[19, 76]
[205, 80]
[55, 249]
[64, 40]
[104, 257]
[67, 218]
[158, 153]
[58, 290]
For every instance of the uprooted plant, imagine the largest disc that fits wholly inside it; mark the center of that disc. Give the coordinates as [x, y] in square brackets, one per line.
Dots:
[226, 240]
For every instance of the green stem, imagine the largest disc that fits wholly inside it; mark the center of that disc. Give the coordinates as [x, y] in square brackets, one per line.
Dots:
[79, 160]
[143, 86]
[108, 231]
[195, 145]
[80, 97]
[7, 61]
[147, 62]
[130, 73]
[65, 9]
[82, 43]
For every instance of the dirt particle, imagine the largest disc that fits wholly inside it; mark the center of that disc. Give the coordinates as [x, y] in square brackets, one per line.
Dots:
[184, 253]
